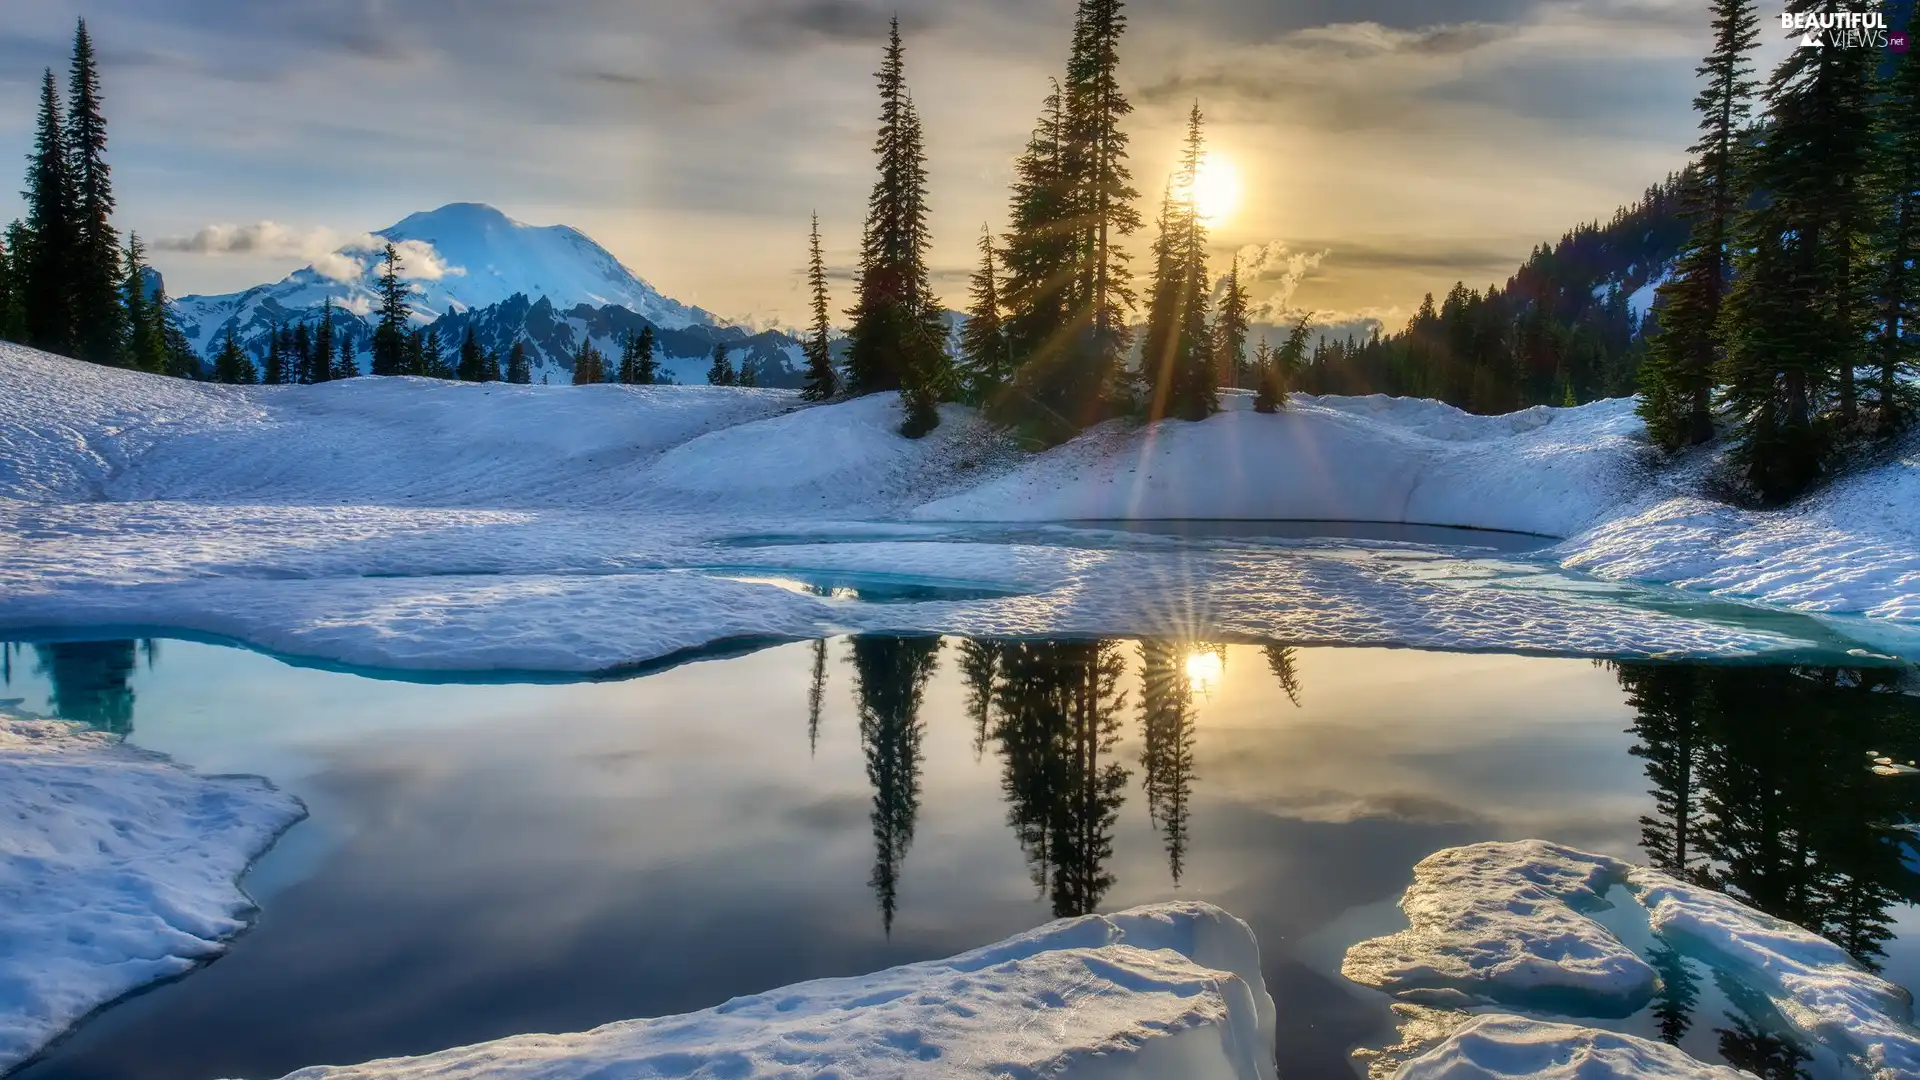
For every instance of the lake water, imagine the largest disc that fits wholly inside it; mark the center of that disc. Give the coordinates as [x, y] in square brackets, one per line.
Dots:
[488, 859]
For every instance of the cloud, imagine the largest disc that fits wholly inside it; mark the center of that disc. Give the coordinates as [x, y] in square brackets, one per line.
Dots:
[334, 255]
[1279, 266]
[844, 22]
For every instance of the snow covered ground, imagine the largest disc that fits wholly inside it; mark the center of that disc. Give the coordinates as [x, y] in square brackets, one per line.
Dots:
[1510, 924]
[1161, 991]
[410, 523]
[117, 868]
[1497, 1046]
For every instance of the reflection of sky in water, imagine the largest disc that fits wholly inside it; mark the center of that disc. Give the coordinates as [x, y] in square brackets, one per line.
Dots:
[484, 860]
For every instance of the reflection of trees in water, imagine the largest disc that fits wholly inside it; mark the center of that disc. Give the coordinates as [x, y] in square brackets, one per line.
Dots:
[890, 679]
[90, 681]
[1280, 661]
[1754, 1044]
[1057, 717]
[1167, 738]
[1761, 790]
[979, 665]
[816, 695]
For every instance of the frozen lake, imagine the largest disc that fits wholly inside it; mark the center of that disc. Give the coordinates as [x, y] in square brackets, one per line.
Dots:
[487, 859]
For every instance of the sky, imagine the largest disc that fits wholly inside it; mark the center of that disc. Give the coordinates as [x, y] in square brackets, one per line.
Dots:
[1383, 147]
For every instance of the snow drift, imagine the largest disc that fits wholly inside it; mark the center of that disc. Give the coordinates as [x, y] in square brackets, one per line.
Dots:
[1502, 922]
[117, 868]
[1160, 991]
[1496, 1047]
[416, 523]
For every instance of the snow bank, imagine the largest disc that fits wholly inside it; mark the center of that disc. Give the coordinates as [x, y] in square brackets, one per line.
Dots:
[1549, 471]
[117, 868]
[1161, 991]
[1501, 922]
[1506, 923]
[1496, 1047]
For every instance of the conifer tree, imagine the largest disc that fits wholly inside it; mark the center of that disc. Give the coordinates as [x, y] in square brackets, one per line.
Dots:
[232, 364]
[1038, 252]
[646, 370]
[1267, 394]
[629, 359]
[1101, 192]
[433, 359]
[588, 365]
[1230, 330]
[898, 337]
[720, 372]
[99, 318]
[146, 331]
[390, 334]
[519, 370]
[748, 375]
[348, 365]
[413, 352]
[490, 370]
[300, 369]
[321, 368]
[1896, 346]
[983, 340]
[1796, 317]
[1178, 358]
[275, 371]
[182, 361]
[8, 285]
[1678, 375]
[48, 283]
[473, 359]
[823, 382]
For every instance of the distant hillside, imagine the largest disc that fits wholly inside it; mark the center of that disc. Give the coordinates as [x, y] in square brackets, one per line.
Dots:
[1567, 327]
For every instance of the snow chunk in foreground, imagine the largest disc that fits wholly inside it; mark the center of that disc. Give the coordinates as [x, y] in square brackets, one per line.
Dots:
[1505, 922]
[1161, 991]
[117, 868]
[1498, 1046]
[1502, 922]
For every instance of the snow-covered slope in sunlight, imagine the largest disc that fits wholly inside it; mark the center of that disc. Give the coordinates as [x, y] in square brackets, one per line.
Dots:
[1170, 990]
[1498, 1047]
[414, 523]
[117, 869]
[1550, 471]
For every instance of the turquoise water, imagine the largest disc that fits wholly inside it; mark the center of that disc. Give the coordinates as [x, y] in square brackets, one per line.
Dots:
[488, 859]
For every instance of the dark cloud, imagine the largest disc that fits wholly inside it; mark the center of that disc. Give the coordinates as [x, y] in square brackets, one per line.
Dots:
[845, 22]
[1417, 253]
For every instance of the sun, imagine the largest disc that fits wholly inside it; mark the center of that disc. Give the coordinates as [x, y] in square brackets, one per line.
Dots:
[1216, 188]
[1204, 671]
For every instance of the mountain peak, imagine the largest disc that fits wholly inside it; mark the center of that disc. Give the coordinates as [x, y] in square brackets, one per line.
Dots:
[453, 216]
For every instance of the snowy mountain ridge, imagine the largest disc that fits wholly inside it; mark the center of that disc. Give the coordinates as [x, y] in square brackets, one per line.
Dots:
[481, 257]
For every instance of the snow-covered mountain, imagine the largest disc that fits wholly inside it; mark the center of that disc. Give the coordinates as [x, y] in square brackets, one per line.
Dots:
[480, 257]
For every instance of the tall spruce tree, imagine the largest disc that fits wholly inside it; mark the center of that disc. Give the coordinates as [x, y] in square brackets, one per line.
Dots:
[720, 372]
[1100, 190]
[232, 364]
[275, 370]
[1178, 357]
[1796, 317]
[146, 337]
[390, 333]
[1267, 395]
[323, 349]
[1677, 377]
[749, 373]
[473, 359]
[823, 382]
[300, 367]
[1230, 330]
[589, 366]
[988, 360]
[629, 359]
[1896, 347]
[646, 369]
[48, 283]
[898, 337]
[1038, 250]
[9, 284]
[99, 318]
[348, 365]
[182, 361]
[519, 370]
